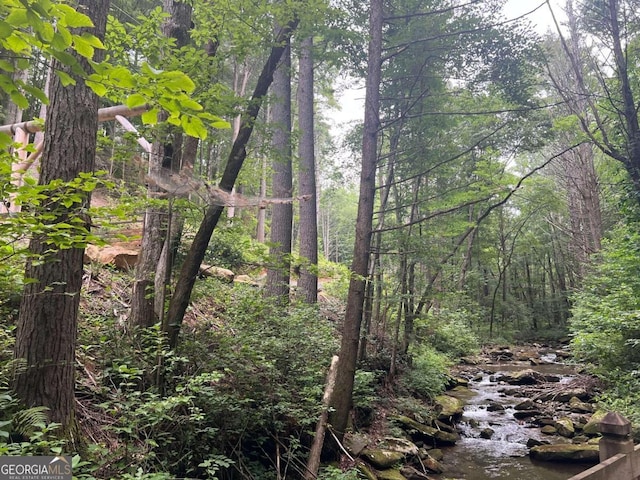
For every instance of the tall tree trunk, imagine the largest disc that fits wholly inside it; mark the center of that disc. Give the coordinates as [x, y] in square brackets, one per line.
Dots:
[342, 398]
[191, 266]
[47, 323]
[279, 275]
[147, 303]
[308, 281]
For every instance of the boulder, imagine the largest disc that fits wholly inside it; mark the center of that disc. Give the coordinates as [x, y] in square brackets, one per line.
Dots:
[366, 471]
[411, 473]
[487, 433]
[355, 443]
[401, 445]
[549, 430]
[461, 392]
[523, 377]
[216, 272]
[592, 426]
[380, 458]
[119, 256]
[425, 433]
[526, 405]
[533, 442]
[577, 406]
[390, 475]
[495, 407]
[523, 414]
[449, 408]
[566, 452]
[565, 427]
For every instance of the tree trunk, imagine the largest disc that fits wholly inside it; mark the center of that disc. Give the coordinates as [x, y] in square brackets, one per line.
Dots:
[147, 303]
[47, 323]
[279, 274]
[308, 281]
[342, 398]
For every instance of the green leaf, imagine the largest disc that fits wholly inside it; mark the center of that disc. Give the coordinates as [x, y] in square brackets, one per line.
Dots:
[6, 66]
[5, 29]
[189, 104]
[98, 88]
[92, 40]
[36, 92]
[73, 18]
[150, 117]
[194, 127]
[19, 99]
[65, 78]
[135, 100]
[18, 17]
[17, 44]
[178, 81]
[62, 39]
[82, 47]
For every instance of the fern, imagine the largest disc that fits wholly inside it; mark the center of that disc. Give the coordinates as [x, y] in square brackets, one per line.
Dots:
[26, 421]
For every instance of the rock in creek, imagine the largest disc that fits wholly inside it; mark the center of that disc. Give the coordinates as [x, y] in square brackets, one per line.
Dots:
[566, 452]
[380, 458]
[425, 433]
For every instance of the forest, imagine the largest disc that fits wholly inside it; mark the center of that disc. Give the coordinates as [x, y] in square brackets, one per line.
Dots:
[205, 275]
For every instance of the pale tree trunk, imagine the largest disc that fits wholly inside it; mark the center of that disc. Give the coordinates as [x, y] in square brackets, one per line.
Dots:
[279, 273]
[308, 281]
[47, 323]
[240, 81]
[342, 397]
[262, 211]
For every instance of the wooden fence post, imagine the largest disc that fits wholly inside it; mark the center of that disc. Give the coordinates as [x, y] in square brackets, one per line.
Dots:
[616, 436]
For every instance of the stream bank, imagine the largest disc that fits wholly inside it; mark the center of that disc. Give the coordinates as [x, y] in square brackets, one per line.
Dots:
[507, 413]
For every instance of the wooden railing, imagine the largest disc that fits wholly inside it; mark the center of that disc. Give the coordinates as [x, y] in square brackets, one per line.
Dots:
[619, 459]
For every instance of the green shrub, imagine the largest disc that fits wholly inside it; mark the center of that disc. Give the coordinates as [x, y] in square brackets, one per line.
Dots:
[449, 333]
[605, 321]
[427, 376]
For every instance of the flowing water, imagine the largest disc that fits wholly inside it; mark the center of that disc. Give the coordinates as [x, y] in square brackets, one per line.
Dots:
[505, 455]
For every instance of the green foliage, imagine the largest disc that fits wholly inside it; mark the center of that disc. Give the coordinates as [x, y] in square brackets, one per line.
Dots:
[329, 472]
[242, 380]
[623, 395]
[231, 247]
[427, 376]
[337, 277]
[605, 323]
[31, 29]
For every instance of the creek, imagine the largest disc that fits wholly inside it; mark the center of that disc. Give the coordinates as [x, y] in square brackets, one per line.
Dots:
[505, 454]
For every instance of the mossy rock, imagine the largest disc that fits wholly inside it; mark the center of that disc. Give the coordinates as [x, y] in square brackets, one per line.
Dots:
[592, 427]
[380, 458]
[566, 452]
[401, 445]
[429, 435]
[565, 427]
[461, 392]
[390, 475]
[367, 471]
[449, 407]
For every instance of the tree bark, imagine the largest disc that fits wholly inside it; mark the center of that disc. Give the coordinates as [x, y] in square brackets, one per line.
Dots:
[47, 323]
[279, 274]
[342, 398]
[313, 463]
[191, 266]
[308, 281]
